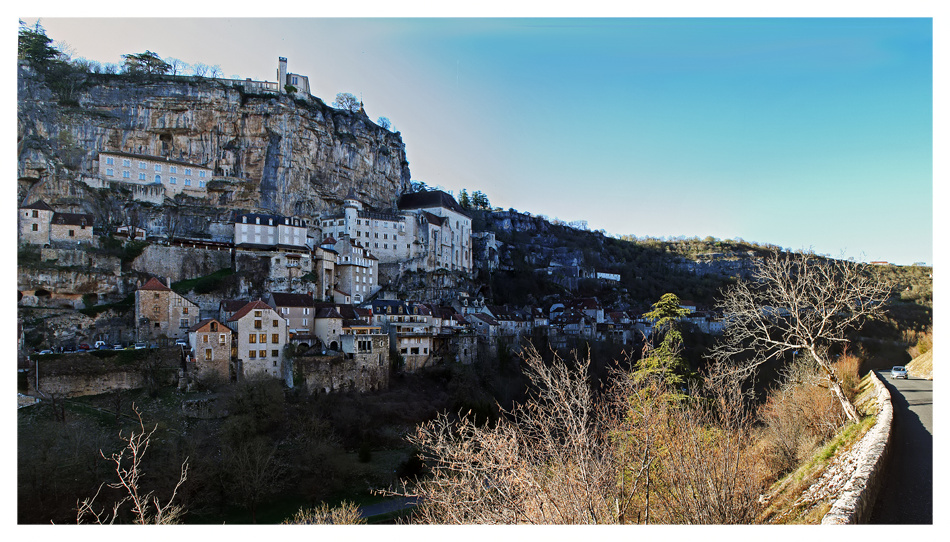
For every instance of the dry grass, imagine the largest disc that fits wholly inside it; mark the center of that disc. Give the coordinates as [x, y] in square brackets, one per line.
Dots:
[806, 494]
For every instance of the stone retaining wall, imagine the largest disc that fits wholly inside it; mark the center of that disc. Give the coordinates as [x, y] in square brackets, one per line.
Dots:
[856, 500]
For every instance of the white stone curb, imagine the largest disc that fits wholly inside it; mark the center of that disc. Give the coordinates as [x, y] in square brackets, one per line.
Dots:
[857, 498]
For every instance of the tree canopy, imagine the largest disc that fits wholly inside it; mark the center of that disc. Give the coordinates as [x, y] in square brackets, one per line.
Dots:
[146, 63]
[346, 100]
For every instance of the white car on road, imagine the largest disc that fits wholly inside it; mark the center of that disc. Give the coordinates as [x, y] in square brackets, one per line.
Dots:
[899, 371]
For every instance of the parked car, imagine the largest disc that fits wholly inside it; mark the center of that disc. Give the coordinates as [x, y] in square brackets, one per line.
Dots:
[44, 352]
[84, 346]
[899, 371]
[118, 347]
[139, 346]
[181, 342]
[100, 345]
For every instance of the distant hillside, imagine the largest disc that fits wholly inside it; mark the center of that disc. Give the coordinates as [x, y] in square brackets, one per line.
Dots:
[695, 269]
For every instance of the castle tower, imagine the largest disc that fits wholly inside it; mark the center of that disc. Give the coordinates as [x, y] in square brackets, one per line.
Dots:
[351, 209]
[281, 73]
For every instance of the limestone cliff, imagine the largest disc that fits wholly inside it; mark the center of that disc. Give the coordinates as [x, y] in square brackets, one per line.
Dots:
[296, 154]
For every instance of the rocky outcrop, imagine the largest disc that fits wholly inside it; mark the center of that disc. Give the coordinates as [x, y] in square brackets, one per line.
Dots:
[181, 263]
[299, 155]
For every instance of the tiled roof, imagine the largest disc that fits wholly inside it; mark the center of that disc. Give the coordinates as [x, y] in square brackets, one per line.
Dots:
[205, 322]
[429, 199]
[154, 284]
[232, 305]
[253, 305]
[328, 313]
[291, 300]
[72, 219]
[38, 204]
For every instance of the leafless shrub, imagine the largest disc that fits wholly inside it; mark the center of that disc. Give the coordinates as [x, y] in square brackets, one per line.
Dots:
[146, 508]
[347, 513]
[547, 461]
[639, 454]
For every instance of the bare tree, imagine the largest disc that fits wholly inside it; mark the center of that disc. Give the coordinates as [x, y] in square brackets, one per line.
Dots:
[797, 303]
[146, 508]
[346, 100]
[548, 461]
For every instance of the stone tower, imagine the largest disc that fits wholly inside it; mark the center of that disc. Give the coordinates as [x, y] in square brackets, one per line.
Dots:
[281, 73]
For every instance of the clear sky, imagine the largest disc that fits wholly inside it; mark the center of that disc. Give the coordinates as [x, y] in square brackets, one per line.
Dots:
[802, 132]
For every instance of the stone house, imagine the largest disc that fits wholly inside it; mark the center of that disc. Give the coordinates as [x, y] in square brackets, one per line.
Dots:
[210, 341]
[72, 227]
[328, 326]
[34, 223]
[261, 336]
[485, 326]
[297, 309]
[356, 271]
[160, 312]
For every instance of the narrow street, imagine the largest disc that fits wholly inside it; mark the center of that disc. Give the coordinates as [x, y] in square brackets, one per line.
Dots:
[906, 496]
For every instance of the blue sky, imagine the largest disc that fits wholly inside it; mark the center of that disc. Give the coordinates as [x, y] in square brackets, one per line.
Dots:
[805, 133]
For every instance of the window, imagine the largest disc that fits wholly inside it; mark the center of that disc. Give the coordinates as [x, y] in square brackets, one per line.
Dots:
[252, 354]
[262, 353]
[72, 233]
[143, 165]
[204, 338]
[110, 161]
[126, 163]
[172, 169]
[222, 339]
[35, 227]
[183, 323]
[258, 314]
[109, 172]
[126, 175]
[173, 180]
[263, 338]
[201, 174]
[207, 354]
[275, 323]
[141, 176]
[275, 354]
[257, 324]
[252, 338]
[187, 182]
[158, 167]
[158, 178]
[187, 171]
[201, 184]
[275, 338]
[184, 310]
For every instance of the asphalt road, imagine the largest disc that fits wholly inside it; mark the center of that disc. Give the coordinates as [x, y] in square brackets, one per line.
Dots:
[907, 494]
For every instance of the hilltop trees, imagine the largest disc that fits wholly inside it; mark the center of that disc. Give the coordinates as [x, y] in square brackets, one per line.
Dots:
[345, 100]
[797, 304]
[147, 63]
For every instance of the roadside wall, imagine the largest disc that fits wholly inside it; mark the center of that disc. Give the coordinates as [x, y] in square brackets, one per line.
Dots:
[856, 499]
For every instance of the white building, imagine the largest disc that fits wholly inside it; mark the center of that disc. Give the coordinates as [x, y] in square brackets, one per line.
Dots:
[174, 176]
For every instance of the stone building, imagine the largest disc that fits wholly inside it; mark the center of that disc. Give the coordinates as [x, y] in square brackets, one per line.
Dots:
[428, 231]
[297, 309]
[70, 227]
[210, 341]
[148, 171]
[261, 336]
[34, 223]
[356, 271]
[160, 313]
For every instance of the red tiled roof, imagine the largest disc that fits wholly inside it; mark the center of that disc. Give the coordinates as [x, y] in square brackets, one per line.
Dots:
[253, 305]
[154, 284]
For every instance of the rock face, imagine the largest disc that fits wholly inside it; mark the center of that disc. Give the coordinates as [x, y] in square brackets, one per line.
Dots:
[298, 155]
